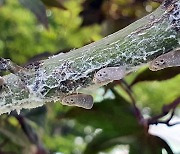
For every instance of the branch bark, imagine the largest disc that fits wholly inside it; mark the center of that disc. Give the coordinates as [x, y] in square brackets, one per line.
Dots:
[134, 46]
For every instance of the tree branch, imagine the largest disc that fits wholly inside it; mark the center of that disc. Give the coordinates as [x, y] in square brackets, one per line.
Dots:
[134, 46]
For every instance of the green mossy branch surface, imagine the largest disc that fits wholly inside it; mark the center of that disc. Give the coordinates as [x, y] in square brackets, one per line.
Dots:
[134, 46]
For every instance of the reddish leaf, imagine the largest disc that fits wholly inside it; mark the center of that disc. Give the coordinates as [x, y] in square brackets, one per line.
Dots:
[2, 2]
[38, 8]
[55, 3]
[164, 74]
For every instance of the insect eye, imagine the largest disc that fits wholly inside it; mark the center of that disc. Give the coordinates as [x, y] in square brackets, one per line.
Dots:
[161, 60]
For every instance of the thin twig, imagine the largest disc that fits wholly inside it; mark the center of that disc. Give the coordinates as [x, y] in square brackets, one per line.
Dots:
[129, 91]
[165, 110]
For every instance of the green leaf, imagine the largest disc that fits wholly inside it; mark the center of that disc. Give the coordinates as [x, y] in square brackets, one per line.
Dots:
[156, 94]
[115, 117]
[148, 144]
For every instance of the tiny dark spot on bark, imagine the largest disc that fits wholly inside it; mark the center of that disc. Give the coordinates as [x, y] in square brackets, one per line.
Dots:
[167, 3]
[34, 65]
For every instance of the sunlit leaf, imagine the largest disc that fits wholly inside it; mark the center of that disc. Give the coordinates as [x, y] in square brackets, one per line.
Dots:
[155, 94]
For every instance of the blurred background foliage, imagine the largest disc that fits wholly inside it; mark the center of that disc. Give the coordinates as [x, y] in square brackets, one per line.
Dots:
[31, 30]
